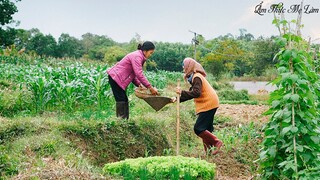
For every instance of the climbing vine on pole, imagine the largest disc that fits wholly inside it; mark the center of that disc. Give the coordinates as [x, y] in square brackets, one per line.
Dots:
[291, 145]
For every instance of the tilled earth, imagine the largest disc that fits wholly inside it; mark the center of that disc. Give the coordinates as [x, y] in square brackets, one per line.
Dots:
[243, 113]
[228, 165]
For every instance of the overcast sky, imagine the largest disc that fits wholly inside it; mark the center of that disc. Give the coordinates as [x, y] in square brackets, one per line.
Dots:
[159, 20]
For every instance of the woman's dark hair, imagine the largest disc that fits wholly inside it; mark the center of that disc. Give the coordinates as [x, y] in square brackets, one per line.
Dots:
[146, 46]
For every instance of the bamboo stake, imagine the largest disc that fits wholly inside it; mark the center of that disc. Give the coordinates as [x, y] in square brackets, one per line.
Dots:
[178, 121]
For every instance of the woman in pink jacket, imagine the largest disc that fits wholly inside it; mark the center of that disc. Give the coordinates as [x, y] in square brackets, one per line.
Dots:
[129, 69]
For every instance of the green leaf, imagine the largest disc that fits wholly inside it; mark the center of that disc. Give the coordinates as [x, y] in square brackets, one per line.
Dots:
[294, 129]
[296, 38]
[294, 77]
[295, 97]
[272, 151]
[287, 55]
[300, 148]
[275, 104]
[294, 54]
[315, 139]
[287, 120]
[286, 130]
[287, 97]
[285, 76]
[278, 114]
[306, 157]
[270, 111]
[282, 69]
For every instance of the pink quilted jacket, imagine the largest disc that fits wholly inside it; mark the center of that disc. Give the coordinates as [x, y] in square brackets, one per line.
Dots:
[129, 69]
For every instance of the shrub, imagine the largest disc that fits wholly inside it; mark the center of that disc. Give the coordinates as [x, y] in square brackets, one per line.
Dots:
[233, 95]
[162, 167]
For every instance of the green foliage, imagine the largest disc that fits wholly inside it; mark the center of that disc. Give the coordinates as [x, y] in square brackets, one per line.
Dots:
[227, 55]
[114, 54]
[13, 102]
[69, 46]
[8, 166]
[116, 139]
[8, 8]
[265, 50]
[169, 56]
[233, 95]
[291, 145]
[63, 86]
[12, 130]
[7, 34]
[162, 167]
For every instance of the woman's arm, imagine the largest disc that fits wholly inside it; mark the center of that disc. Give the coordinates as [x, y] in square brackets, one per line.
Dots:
[137, 66]
[195, 90]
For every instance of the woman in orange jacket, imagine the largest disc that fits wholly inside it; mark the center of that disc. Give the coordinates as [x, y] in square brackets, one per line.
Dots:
[206, 103]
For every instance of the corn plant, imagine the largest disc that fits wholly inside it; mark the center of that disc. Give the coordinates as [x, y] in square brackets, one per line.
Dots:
[39, 86]
[99, 81]
[69, 86]
[291, 146]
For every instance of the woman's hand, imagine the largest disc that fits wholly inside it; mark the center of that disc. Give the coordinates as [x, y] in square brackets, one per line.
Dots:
[142, 87]
[178, 90]
[153, 91]
[173, 99]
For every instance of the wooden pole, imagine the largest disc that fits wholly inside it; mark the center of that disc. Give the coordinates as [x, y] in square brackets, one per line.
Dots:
[178, 121]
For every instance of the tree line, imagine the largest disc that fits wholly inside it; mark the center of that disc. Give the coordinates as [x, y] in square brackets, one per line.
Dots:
[236, 54]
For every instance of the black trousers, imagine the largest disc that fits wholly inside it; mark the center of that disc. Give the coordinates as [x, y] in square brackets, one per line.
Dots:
[205, 121]
[119, 94]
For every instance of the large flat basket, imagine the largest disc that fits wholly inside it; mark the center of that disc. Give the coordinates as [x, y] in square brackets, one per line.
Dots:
[155, 101]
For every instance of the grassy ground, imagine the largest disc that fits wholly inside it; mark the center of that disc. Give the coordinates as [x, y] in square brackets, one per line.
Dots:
[54, 146]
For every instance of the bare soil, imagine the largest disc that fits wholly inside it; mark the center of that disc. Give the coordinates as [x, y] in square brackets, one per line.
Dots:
[243, 113]
[228, 165]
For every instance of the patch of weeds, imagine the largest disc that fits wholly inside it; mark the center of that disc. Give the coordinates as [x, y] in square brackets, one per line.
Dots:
[115, 140]
[221, 120]
[13, 102]
[8, 165]
[233, 95]
[15, 129]
[46, 149]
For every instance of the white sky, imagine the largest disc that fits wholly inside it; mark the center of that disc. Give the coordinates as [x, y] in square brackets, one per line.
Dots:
[158, 20]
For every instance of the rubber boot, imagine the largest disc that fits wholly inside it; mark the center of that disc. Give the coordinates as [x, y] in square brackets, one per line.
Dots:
[206, 146]
[122, 109]
[211, 140]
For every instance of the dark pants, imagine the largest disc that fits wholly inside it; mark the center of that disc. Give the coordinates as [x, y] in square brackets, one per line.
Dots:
[118, 93]
[205, 121]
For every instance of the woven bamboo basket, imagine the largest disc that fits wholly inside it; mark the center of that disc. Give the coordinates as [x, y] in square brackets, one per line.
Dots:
[155, 101]
[143, 93]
